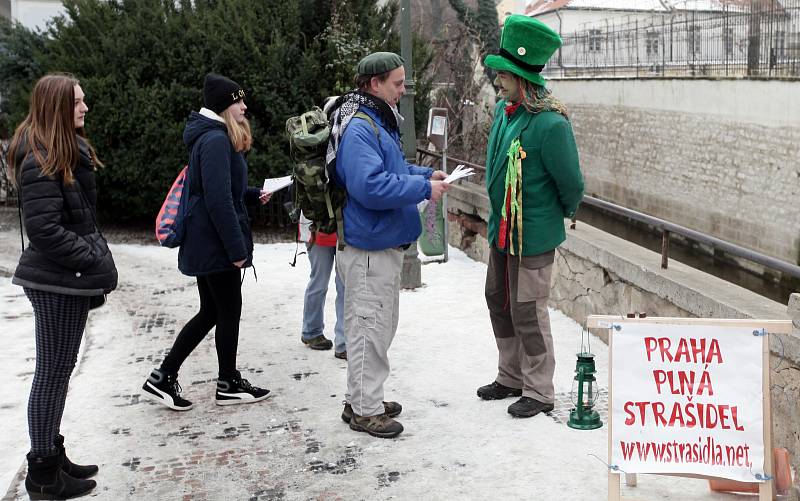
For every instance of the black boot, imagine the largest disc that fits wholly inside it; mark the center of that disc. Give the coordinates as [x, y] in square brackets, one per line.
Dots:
[70, 468]
[528, 407]
[496, 391]
[46, 480]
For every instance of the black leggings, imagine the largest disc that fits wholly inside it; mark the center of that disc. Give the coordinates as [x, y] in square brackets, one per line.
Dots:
[220, 305]
[59, 321]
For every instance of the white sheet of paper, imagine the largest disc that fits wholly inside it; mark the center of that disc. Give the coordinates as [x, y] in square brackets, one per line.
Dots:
[274, 184]
[458, 173]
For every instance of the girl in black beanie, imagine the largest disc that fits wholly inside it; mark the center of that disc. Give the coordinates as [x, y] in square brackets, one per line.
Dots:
[217, 243]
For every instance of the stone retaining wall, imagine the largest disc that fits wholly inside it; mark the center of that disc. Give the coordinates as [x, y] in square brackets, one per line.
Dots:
[598, 273]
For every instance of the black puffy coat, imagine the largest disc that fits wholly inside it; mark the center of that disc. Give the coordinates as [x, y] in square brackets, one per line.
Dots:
[66, 253]
[217, 225]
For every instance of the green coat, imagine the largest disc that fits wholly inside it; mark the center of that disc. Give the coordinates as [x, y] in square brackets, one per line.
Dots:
[552, 184]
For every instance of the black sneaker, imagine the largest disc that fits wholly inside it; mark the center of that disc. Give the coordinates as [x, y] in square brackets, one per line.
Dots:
[392, 409]
[238, 390]
[528, 407]
[497, 391]
[164, 388]
[318, 343]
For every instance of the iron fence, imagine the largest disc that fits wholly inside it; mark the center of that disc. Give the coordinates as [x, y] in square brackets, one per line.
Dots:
[752, 38]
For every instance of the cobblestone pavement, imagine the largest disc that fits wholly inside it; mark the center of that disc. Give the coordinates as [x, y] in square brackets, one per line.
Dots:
[294, 445]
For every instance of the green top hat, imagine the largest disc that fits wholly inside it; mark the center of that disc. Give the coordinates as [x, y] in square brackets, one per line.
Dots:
[525, 46]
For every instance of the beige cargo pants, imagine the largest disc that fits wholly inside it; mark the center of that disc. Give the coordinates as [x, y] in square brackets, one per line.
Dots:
[371, 312]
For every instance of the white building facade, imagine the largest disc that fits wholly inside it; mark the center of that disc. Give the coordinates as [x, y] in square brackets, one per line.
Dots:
[33, 14]
[671, 37]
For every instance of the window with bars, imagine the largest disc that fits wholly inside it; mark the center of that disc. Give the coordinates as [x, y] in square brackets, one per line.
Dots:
[727, 41]
[780, 44]
[693, 38]
[651, 44]
[595, 40]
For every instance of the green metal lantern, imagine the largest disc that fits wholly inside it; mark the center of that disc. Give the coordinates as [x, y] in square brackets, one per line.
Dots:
[584, 392]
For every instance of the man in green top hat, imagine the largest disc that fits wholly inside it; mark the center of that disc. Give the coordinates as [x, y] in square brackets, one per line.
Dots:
[534, 181]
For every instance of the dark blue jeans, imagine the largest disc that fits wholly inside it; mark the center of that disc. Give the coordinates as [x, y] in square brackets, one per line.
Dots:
[322, 259]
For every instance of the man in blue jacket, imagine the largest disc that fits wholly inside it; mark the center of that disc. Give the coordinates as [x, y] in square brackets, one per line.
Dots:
[380, 222]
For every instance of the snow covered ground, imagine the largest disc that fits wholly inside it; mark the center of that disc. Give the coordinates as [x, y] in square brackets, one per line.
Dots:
[294, 446]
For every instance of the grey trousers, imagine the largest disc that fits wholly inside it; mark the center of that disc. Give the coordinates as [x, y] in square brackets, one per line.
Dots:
[517, 289]
[371, 312]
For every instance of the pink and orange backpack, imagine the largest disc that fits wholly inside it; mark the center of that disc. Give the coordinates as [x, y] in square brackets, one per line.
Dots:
[170, 226]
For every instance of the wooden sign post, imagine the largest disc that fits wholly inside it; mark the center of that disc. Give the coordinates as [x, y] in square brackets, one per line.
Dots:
[691, 399]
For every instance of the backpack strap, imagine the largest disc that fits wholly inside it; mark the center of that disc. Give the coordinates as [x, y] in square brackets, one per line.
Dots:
[339, 220]
[362, 115]
[338, 212]
[339, 228]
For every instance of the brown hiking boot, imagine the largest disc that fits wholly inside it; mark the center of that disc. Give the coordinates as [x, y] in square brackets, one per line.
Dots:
[381, 426]
[318, 343]
[392, 409]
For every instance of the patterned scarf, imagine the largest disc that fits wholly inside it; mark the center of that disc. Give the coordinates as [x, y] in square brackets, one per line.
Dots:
[343, 111]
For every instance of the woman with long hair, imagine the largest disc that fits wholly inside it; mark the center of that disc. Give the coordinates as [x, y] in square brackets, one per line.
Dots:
[217, 243]
[65, 270]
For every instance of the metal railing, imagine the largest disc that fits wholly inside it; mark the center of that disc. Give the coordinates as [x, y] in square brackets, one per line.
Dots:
[480, 170]
[667, 229]
[755, 38]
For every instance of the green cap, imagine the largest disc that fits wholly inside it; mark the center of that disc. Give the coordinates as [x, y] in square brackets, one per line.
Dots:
[378, 63]
[525, 46]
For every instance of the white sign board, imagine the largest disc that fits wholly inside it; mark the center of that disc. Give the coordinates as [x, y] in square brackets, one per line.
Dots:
[438, 125]
[687, 399]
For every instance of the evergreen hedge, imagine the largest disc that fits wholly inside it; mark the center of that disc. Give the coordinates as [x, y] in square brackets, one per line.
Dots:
[141, 64]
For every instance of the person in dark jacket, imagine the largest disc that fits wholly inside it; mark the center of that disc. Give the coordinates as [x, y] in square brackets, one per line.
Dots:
[217, 245]
[65, 270]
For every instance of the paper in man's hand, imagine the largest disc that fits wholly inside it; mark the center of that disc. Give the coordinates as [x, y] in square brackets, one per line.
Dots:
[459, 172]
[274, 184]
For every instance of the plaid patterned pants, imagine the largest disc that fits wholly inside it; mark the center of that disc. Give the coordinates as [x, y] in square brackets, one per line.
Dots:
[59, 321]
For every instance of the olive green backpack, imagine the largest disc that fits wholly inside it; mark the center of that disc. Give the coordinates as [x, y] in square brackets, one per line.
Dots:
[315, 194]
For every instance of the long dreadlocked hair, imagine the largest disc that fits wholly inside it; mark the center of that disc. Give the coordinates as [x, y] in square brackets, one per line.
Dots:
[536, 98]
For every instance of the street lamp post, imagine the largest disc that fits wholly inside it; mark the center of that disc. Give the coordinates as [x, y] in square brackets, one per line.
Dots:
[412, 268]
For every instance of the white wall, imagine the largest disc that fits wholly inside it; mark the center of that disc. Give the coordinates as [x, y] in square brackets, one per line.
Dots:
[577, 20]
[506, 7]
[718, 156]
[35, 14]
[769, 103]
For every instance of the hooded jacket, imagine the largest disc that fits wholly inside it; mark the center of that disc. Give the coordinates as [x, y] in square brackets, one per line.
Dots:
[66, 252]
[217, 225]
